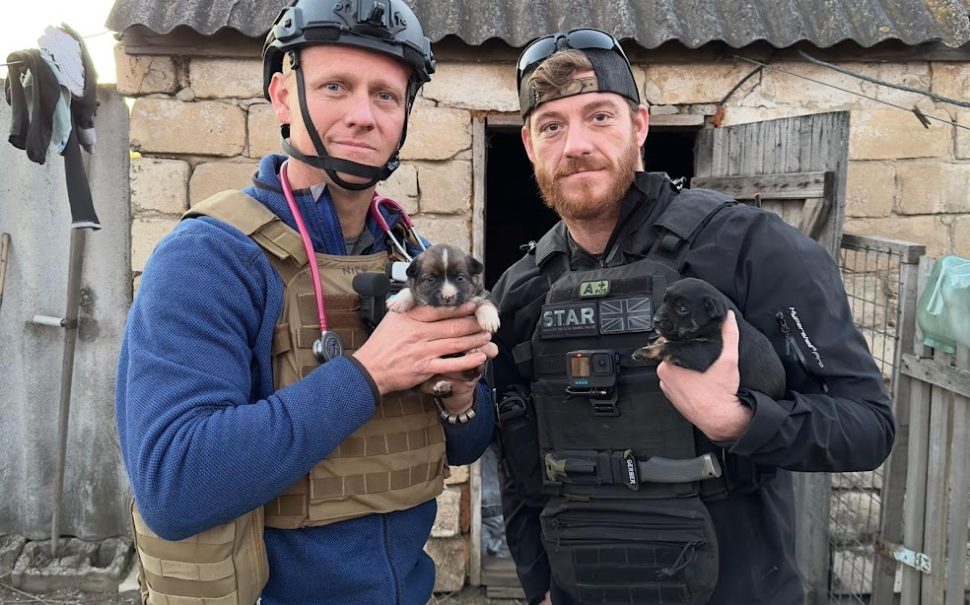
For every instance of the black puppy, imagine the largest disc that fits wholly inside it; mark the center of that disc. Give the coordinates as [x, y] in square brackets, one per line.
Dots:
[444, 276]
[689, 322]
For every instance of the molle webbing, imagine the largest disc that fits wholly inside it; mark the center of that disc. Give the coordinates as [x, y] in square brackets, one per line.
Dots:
[394, 461]
[224, 565]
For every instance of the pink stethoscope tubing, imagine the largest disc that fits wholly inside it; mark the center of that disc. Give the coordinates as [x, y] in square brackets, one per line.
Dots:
[307, 245]
[375, 212]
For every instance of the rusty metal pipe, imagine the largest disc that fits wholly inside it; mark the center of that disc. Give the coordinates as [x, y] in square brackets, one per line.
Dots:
[78, 237]
[4, 254]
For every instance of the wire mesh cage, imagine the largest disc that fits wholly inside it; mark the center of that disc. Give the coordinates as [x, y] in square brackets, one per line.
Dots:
[872, 272]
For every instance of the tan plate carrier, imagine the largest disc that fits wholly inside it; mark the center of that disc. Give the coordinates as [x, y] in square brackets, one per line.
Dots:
[395, 461]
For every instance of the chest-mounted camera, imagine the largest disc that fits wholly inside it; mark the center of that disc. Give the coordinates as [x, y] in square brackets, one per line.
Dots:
[592, 373]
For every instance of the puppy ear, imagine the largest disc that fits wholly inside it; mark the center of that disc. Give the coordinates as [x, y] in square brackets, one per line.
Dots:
[715, 307]
[414, 267]
[474, 267]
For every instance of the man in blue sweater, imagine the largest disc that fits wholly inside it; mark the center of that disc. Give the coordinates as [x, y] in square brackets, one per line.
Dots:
[220, 418]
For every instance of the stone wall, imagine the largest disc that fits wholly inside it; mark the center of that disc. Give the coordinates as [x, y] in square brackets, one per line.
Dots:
[905, 181]
[199, 125]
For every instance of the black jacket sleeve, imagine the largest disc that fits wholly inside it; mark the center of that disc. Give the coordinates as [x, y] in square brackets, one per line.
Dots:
[519, 295]
[836, 414]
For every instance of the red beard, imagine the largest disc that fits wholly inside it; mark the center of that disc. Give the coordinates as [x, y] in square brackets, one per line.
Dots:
[579, 202]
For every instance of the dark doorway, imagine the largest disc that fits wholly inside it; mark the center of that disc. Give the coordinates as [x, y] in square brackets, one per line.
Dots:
[670, 151]
[514, 212]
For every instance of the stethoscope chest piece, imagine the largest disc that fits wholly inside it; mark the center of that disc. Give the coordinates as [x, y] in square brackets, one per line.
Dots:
[327, 346]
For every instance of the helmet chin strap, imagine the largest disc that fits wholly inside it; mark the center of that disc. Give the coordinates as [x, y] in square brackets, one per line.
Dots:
[332, 165]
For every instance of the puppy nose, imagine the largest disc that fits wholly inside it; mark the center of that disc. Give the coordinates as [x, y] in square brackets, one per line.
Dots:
[447, 298]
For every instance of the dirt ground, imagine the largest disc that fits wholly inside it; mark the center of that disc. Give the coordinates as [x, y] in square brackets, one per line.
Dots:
[11, 596]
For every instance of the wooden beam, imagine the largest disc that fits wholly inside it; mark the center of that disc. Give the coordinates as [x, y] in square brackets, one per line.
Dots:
[678, 120]
[909, 252]
[937, 374]
[228, 43]
[814, 213]
[793, 186]
[504, 120]
[500, 579]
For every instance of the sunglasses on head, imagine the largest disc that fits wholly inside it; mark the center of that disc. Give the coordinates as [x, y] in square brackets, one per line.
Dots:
[576, 39]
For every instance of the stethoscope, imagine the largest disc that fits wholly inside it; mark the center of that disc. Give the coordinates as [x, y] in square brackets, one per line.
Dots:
[329, 344]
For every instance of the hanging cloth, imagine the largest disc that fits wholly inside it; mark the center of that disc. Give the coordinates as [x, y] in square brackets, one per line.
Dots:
[32, 124]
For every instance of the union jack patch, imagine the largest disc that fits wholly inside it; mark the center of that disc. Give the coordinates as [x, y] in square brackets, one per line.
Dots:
[622, 315]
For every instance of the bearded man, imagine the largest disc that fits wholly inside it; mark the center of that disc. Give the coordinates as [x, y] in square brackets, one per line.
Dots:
[633, 482]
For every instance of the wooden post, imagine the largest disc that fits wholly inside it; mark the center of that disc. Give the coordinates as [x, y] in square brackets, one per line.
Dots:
[934, 528]
[915, 505]
[959, 479]
[813, 493]
[478, 250]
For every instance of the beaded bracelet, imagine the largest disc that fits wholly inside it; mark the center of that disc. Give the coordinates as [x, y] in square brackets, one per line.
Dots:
[462, 418]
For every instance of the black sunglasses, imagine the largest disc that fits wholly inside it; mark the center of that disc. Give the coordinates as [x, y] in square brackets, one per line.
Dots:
[576, 39]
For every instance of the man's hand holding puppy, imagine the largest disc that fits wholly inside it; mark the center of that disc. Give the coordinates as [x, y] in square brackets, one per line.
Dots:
[406, 349]
[709, 399]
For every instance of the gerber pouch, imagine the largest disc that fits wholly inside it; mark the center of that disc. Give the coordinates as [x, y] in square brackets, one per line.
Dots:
[223, 565]
[627, 552]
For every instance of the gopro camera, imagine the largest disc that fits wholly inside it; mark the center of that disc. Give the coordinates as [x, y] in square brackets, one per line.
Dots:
[590, 371]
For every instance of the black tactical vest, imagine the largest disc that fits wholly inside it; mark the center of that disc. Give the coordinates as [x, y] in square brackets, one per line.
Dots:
[625, 523]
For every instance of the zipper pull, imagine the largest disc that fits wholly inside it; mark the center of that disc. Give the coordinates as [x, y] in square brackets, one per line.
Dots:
[785, 332]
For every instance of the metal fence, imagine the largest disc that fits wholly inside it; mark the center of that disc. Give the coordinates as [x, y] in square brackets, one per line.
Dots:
[880, 281]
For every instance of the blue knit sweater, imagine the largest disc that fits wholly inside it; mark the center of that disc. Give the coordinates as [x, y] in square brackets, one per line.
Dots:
[206, 437]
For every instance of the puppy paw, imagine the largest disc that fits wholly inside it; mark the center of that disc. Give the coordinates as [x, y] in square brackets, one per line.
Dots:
[401, 302]
[487, 316]
[437, 386]
[441, 388]
[654, 350]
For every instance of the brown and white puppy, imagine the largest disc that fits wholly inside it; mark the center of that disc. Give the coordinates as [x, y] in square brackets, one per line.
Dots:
[689, 322]
[444, 276]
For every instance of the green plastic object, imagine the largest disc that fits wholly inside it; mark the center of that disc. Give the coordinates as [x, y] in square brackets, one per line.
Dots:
[943, 313]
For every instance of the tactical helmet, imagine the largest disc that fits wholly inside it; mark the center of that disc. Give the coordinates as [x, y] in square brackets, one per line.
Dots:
[389, 27]
[384, 26]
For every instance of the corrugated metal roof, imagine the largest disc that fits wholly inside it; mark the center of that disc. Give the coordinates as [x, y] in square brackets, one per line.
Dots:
[649, 23]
